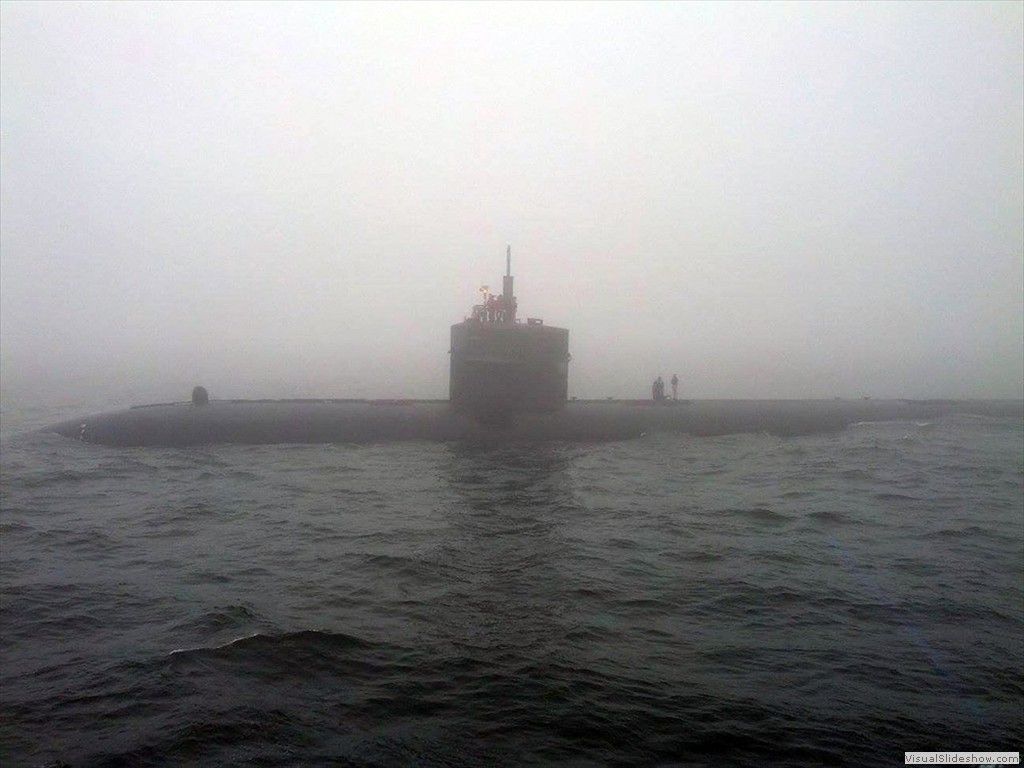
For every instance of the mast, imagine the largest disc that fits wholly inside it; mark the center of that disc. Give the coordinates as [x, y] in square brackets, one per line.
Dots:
[506, 287]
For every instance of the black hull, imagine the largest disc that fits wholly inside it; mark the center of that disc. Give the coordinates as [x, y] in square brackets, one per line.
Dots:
[264, 422]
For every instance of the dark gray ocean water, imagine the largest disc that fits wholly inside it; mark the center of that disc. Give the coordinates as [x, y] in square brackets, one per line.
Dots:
[827, 599]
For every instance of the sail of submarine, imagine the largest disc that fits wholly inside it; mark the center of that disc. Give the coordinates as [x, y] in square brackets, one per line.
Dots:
[501, 366]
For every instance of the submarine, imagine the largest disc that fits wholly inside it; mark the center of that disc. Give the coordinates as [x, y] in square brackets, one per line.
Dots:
[508, 382]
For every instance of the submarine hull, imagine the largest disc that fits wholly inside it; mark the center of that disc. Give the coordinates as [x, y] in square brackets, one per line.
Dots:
[344, 421]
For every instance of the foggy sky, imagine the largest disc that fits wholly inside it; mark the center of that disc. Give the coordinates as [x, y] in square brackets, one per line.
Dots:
[780, 200]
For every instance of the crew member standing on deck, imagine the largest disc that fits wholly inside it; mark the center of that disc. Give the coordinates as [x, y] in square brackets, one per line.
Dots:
[675, 387]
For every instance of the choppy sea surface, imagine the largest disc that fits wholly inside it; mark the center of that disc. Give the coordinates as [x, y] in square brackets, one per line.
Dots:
[829, 599]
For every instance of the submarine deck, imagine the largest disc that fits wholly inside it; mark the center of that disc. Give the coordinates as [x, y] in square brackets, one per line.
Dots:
[366, 421]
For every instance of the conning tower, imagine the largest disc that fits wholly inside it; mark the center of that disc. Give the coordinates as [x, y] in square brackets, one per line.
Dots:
[501, 366]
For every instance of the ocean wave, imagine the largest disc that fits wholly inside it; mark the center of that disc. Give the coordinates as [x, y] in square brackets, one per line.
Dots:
[761, 515]
[810, 603]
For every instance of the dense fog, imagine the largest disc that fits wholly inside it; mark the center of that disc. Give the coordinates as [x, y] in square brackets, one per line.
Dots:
[284, 200]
